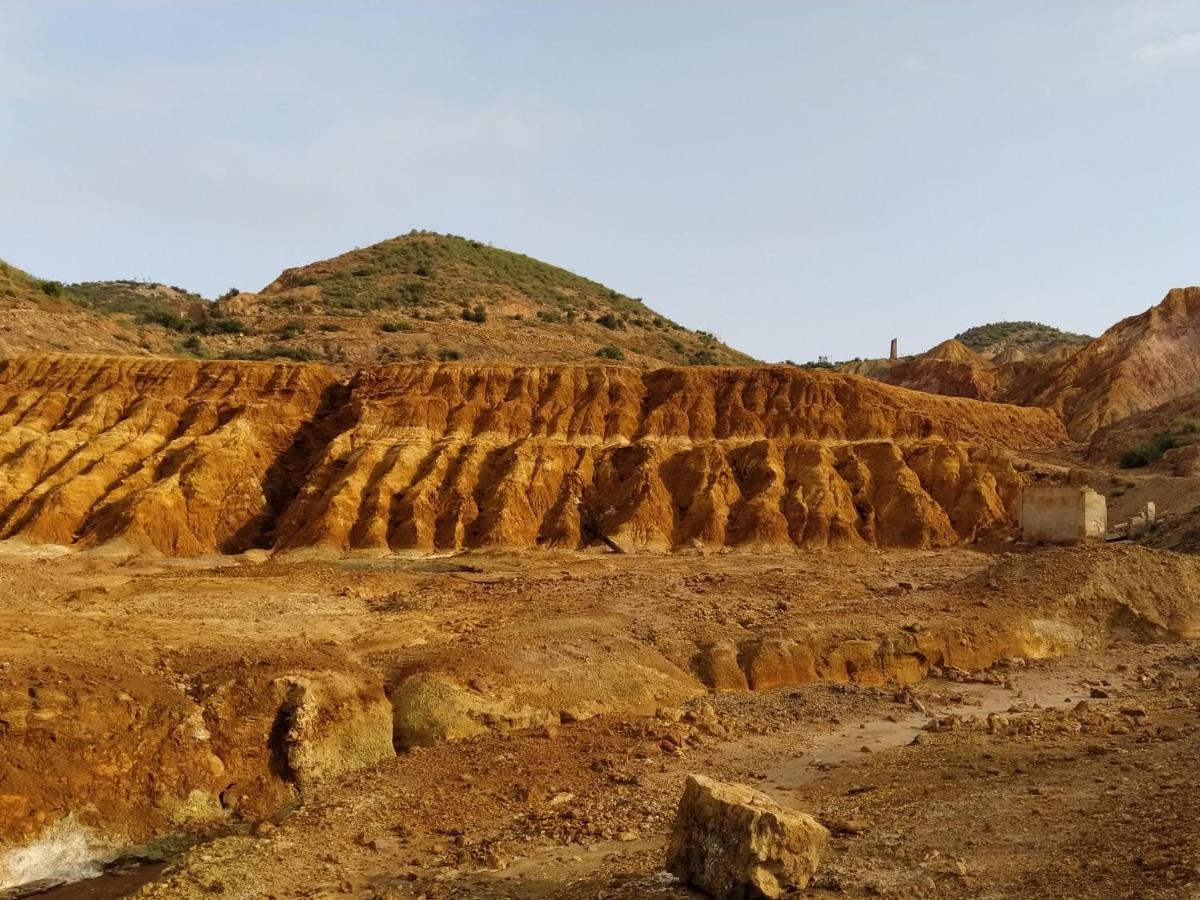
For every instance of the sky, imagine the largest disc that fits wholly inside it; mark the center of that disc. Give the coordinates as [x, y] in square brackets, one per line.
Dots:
[800, 178]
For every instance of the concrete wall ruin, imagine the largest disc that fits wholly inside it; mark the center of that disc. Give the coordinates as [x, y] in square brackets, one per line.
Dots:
[1062, 513]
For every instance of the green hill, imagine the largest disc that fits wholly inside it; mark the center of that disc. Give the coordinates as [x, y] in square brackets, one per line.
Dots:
[427, 295]
[996, 336]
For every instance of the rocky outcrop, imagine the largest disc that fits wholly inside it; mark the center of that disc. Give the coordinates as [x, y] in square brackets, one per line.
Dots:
[111, 764]
[532, 675]
[187, 458]
[183, 457]
[1140, 363]
[735, 843]
[951, 369]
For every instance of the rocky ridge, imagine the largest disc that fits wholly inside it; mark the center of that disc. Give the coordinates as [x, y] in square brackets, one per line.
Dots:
[188, 457]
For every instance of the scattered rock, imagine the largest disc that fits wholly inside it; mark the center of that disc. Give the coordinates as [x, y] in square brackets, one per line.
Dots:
[736, 843]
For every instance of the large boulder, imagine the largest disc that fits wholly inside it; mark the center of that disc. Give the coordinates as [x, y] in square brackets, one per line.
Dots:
[736, 843]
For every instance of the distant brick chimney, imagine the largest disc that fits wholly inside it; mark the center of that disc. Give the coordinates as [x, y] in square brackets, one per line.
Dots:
[895, 349]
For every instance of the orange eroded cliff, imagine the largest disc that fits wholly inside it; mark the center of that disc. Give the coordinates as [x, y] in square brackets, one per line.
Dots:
[196, 457]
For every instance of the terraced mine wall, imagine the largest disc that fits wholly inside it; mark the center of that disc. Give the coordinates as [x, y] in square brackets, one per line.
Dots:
[194, 457]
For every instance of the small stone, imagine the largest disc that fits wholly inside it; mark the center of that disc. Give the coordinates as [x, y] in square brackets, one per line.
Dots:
[852, 827]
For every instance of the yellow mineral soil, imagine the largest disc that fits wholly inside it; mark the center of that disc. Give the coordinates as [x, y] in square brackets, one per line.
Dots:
[188, 457]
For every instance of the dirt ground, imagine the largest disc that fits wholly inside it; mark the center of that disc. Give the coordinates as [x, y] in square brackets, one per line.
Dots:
[1031, 790]
[983, 722]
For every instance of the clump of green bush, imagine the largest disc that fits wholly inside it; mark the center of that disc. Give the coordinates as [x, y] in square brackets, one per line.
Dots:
[295, 354]
[610, 321]
[290, 330]
[213, 323]
[1150, 452]
[163, 317]
[611, 352]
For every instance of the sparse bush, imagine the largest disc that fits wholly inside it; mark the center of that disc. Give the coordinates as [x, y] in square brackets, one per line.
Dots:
[477, 315]
[394, 327]
[290, 330]
[52, 288]
[610, 321]
[1150, 452]
[448, 354]
[295, 354]
[163, 317]
[193, 345]
[611, 352]
[329, 326]
[213, 324]
[229, 294]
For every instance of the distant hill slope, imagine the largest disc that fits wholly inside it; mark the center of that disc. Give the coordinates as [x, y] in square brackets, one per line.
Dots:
[422, 296]
[1031, 338]
[431, 296]
[37, 315]
[1140, 363]
[950, 368]
[984, 362]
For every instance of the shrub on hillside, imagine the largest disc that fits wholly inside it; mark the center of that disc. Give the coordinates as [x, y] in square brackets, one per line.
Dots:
[610, 321]
[290, 330]
[211, 325]
[611, 352]
[1150, 452]
[163, 317]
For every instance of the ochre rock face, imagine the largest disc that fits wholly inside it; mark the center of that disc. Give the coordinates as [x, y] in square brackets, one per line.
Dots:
[735, 843]
[1138, 364]
[173, 454]
[191, 457]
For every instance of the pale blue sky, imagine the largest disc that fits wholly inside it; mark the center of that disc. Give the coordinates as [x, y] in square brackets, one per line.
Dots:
[801, 178]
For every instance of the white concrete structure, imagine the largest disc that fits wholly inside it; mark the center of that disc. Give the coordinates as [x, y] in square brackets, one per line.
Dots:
[1062, 513]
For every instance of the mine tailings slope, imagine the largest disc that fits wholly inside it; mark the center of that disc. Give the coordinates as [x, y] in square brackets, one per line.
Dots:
[1140, 364]
[192, 457]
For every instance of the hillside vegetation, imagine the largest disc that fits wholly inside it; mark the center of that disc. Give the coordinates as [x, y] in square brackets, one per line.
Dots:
[421, 296]
[426, 295]
[36, 315]
[997, 336]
